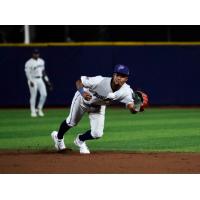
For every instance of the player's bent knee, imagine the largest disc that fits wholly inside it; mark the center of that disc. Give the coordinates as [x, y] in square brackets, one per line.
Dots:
[97, 134]
[71, 124]
[44, 96]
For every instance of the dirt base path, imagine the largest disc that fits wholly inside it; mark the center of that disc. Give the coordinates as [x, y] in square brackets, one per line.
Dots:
[70, 162]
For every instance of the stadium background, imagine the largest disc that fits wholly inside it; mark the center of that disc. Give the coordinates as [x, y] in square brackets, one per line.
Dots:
[164, 60]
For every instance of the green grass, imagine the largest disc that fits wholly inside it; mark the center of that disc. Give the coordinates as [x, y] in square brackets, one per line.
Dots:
[174, 130]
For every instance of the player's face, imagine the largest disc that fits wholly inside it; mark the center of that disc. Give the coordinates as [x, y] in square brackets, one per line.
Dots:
[119, 79]
[36, 55]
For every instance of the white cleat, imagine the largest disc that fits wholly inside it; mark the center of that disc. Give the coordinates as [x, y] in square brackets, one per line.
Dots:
[59, 144]
[33, 114]
[40, 113]
[82, 145]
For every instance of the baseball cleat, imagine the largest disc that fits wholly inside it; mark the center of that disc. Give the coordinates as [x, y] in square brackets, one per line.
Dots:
[82, 145]
[59, 144]
[33, 114]
[40, 113]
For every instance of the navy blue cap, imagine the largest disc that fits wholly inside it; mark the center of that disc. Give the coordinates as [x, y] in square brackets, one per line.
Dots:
[121, 69]
[36, 51]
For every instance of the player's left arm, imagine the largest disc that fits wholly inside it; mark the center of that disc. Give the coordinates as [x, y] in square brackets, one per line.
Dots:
[47, 80]
[45, 76]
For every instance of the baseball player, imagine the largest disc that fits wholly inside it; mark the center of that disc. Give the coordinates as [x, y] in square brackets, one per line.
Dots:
[36, 76]
[92, 96]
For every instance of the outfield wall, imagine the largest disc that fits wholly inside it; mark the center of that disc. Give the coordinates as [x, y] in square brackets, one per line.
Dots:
[168, 72]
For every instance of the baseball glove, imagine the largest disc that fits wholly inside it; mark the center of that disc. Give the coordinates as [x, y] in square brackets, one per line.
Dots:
[46, 80]
[49, 85]
[140, 99]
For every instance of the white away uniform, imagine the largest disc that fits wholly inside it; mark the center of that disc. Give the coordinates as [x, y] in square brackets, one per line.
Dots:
[100, 89]
[34, 69]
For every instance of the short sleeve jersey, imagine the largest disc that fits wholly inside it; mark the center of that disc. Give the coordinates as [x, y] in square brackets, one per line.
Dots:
[99, 87]
[34, 68]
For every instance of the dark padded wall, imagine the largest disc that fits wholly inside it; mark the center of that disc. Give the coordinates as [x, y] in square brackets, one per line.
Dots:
[169, 74]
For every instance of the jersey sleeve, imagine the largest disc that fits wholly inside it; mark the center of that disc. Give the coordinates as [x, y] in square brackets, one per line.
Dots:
[126, 96]
[91, 82]
[127, 99]
[27, 70]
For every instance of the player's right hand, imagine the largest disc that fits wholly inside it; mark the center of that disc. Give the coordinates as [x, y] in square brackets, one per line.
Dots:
[87, 96]
[31, 84]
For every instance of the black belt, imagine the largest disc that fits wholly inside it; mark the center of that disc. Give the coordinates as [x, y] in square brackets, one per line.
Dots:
[37, 77]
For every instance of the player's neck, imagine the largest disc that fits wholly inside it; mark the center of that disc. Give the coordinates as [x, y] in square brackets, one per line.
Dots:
[113, 86]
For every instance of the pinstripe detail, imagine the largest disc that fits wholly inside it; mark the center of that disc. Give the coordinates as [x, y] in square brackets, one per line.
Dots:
[73, 108]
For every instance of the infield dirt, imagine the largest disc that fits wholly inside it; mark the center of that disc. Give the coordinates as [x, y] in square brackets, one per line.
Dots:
[70, 162]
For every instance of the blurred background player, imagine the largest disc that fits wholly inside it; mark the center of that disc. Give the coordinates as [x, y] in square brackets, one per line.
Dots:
[93, 94]
[36, 76]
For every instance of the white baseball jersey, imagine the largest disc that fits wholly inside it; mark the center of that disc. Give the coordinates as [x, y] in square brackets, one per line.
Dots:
[100, 89]
[102, 94]
[34, 68]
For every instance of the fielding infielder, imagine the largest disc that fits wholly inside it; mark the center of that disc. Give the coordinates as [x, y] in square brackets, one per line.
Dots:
[35, 73]
[93, 94]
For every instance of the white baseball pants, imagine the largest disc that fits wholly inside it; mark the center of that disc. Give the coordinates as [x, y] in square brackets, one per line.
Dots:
[96, 115]
[38, 86]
